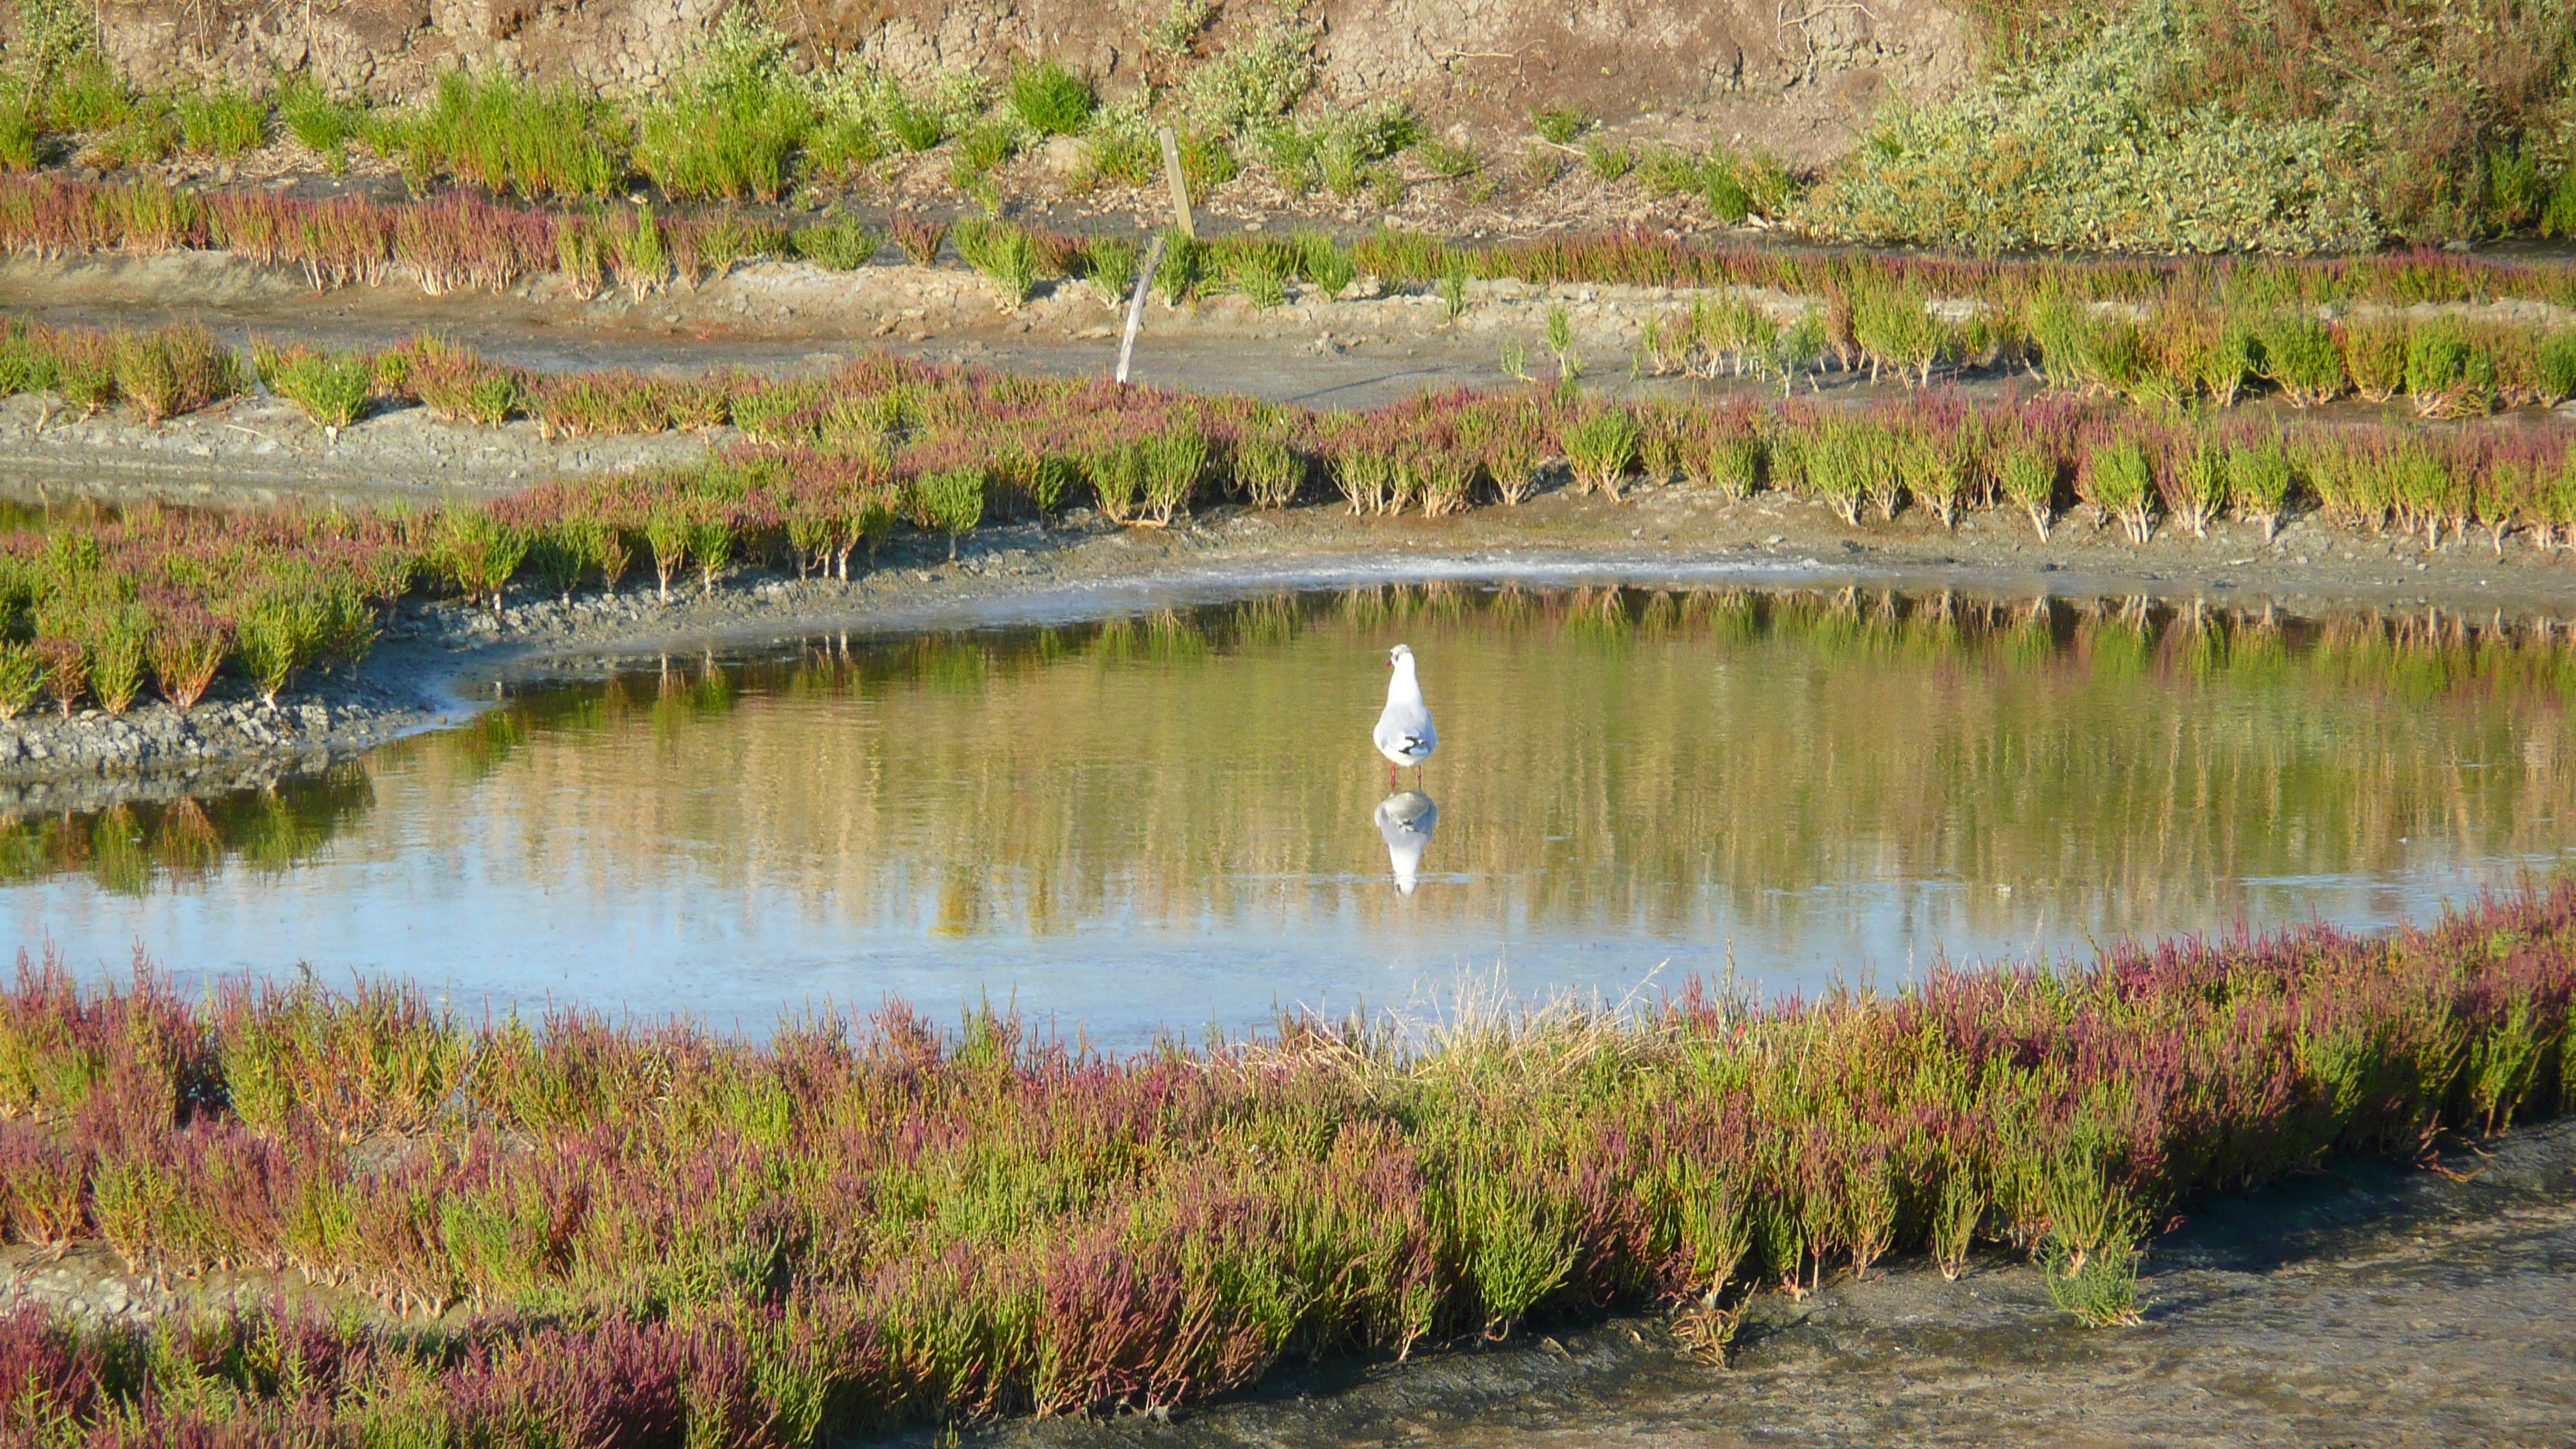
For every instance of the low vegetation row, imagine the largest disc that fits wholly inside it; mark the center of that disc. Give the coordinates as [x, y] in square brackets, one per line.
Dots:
[660, 1237]
[460, 242]
[829, 466]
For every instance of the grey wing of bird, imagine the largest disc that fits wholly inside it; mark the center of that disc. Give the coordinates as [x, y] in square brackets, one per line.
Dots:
[1406, 731]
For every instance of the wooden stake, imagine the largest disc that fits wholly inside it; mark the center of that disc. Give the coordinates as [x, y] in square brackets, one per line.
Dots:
[1136, 303]
[1180, 185]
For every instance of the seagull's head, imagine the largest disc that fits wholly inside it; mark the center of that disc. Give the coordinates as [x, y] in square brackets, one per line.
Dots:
[1398, 655]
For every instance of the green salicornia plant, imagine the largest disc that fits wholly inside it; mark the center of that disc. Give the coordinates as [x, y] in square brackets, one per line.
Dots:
[22, 677]
[332, 389]
[1109, 264]
[1174, 461]
[2447, 373]
[2554, 367]
[1601, 448]
[2119, 479]
[1260, 273]
[1560, 342]
[1607, 161]
[115, 647]
[1453, 293]
[1896, 327]
[841, 243]
[2089, 1253]
[172, 370]
[950, 500]
[2198, 491]
[2231, 362]
[667, 535]
[711, 544]
[314, 119]
[1451, 161]
[278, 634]
[1324, 262]
[480, 552]
[1841, 466]
[1935, 474]
[2301, 359]
[1006, 254]
[1270, 471]
[2374, 356]
[2258, 479]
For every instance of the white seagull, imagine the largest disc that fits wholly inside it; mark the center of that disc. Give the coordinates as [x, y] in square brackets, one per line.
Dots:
[1404, 733]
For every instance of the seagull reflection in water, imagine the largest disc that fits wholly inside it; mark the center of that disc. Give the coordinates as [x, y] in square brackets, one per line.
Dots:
[1406, 819]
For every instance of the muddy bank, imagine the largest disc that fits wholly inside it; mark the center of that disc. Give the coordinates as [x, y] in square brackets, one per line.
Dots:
[92, 759]
[2362, 1304]
[1376, 343]
[255, 451]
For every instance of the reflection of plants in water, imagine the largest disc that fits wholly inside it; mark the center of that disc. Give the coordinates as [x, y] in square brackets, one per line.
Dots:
[1172, 639]
[126, 847]
[2114, 644]
[951, 664]
[1729, 615]
[485, 741]
[960, 910]
[1597, 619]
[1696, 748]
[1266, 622]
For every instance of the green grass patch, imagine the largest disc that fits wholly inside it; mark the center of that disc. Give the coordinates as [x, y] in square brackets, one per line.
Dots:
[1052, 100]
[222, 122]
[1560, 126]
[508, 135]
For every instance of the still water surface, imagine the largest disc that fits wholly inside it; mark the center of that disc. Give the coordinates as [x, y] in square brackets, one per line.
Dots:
[1175, 818]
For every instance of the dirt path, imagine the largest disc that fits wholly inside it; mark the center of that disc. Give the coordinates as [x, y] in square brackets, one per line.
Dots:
[2365, 1305]
[1372, 345]
[1364, 350]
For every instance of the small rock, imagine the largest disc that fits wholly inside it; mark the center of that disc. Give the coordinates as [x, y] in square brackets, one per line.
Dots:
[1061, 156]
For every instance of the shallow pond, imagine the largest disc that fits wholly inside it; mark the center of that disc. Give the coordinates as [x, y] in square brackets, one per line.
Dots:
[1174, 818]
